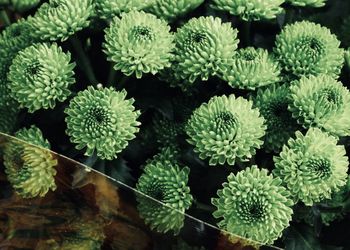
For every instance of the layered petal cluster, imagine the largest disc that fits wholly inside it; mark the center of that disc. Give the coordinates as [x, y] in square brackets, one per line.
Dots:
[321, 102]
[138, 43]
[225, 129]
[8, 110]
[204, 46]
[306, 48]
[169, 10]
[166, 184]
[251, 68]
[308, 3]
[312, 166]
[272, 103]
[59, 19]
[29, 164]
[166, 131]
[40, 76]
[24, 5]
[102, 121]
[250, 10]
[254, 204]
[108, 9]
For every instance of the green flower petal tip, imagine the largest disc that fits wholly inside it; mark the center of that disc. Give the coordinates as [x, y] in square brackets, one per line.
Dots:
[306, 48]
[40, 76]
[312, 166]
[250, 10]
[165, 182]
[102, 120]
[59, 19]
[308, 3]
[108, 9]
[272, 103]
[30, 169]
[204, 46]
[169, 10]
[251, 68]
[254, 204]
[139, 43]
[321, 102]
[24, 5]
[226, 129]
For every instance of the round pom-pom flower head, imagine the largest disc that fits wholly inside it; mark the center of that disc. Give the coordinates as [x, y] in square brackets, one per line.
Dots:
[59, 19]
[138, 42]
[107, 9]
[171, 9]
[306, 48]
[250, 10]
[321, 102]
[254, 204]
[29, 164]
[165, 182]
[312, 166]
[224, 129]
[308, 3]
[102, 120]
[204, 46]
[40, 75]
[251, 68]
[273, 105]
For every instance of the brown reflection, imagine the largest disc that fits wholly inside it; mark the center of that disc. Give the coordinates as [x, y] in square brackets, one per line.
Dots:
[90, 211]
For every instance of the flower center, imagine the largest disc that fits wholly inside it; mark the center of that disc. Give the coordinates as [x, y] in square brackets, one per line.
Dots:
[32, 69]
[252, 210]
[311, 46]
[195, 38]
[248, 54]
[155, 191]
[226, 120]
[331, 96]
[142, 33]
[320, 167]
[98, 120]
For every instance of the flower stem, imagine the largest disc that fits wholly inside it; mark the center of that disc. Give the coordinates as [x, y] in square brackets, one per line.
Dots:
[4, 18]
[83, 60]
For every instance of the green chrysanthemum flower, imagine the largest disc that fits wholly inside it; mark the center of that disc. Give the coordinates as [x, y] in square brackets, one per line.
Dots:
[226, 129]
[312, 166]
[8, 110]
[24, 5]
[250, 10]
[273, 105]
[167, 183]
[30, 169]
[254, 204]
[306, 48]
[168, 154]
[102, 120]
[139, 42]
[59, 19]
[107, 9]
[321, 102]
[166, 131]
[251, 68]
[204, 46]
[40, 75]
[309, 3]
[169, 10]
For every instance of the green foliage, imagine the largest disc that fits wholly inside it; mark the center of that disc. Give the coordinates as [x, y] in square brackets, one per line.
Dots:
[226, 129]
[254, 204]
[138, 43]
[102, 121]
[312, 166]
[40, 76]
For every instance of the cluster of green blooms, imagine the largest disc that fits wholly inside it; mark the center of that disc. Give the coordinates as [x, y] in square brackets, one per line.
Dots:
[312, 166]
[306, 48]
[252, 10]
[102, 121]
[139, 42]
[273, 103]
[29, 164]
[251, 68]
[308, 3]
[40, 75]
[226, 129]
[254, 204]
[168, 196]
